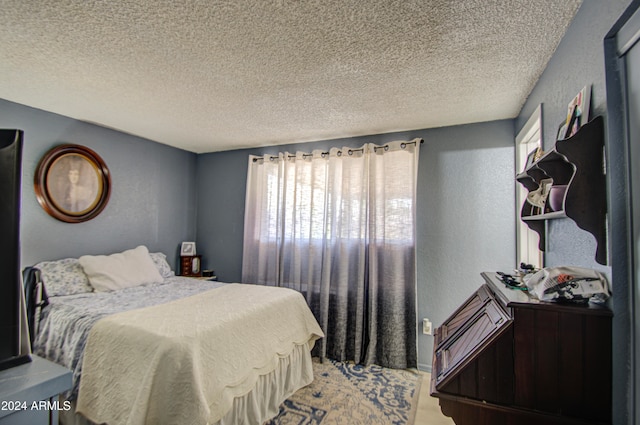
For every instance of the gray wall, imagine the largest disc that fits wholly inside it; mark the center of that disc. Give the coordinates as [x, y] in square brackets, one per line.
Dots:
[578, 61]
[466, 216]
[152, 200]
[465, 211]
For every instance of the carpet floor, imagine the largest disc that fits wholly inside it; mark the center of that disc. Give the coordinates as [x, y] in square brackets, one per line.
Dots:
[349, 394]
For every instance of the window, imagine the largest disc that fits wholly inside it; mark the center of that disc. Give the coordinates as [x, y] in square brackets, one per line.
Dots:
[528, 139]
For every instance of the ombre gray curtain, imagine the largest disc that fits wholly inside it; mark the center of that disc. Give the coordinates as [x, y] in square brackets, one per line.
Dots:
[339, 227]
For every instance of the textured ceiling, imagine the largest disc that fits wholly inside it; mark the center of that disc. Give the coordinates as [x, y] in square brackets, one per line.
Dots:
[217, 75]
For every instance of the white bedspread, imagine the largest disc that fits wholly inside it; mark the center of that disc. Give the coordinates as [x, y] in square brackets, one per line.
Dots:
[185, 361]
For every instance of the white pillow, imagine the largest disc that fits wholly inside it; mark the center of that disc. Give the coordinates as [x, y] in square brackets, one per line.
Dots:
[116, 271]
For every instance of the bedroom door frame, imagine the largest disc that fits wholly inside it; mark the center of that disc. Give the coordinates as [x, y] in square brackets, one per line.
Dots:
[527, 240]
[624, 205]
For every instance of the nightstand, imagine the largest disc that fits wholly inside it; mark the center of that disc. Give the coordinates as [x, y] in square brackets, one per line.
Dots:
[29, 393]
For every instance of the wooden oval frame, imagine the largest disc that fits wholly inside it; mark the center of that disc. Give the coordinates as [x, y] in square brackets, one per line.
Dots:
[47, 199]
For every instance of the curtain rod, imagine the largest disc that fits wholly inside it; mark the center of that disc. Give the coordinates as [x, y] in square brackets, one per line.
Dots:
[349, 152]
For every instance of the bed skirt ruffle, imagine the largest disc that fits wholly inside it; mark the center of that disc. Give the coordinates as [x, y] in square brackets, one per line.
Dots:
[262, 402]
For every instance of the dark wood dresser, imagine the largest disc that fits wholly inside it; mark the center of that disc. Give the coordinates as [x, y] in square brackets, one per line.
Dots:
[503, 358]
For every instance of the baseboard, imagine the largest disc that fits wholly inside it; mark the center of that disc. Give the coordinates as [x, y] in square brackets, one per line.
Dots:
[424, 367]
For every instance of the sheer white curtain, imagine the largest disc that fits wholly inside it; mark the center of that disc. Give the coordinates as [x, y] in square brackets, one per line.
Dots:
[339, 226]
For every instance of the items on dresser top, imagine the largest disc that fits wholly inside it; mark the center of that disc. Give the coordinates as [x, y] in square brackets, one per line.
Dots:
[562, 284]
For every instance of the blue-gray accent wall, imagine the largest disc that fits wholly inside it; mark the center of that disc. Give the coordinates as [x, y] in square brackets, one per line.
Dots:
[153, 196]
[465, 211]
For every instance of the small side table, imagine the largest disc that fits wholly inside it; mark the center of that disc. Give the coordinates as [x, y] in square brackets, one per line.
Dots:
[29, 393]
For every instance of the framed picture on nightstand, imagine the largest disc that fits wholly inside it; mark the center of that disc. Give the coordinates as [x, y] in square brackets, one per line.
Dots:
[188, 249]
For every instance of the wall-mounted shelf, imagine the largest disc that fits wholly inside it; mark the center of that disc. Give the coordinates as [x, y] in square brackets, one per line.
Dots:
[576, 162]
[545, 216]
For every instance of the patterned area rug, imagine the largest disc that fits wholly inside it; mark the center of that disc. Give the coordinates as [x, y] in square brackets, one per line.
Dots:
[344, 393]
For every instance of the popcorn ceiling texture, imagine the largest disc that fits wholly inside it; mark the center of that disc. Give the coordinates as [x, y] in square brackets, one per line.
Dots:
[213, 75]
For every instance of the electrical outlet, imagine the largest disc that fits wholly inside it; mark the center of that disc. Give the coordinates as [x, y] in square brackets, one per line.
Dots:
[426, 326]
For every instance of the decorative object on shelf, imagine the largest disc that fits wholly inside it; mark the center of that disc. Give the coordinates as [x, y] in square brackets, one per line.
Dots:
[562, 131]
[538, 197]
[575, 162]
[556, 196]
[188, 248]
[578, 112]
[72, 183]
[538, 154]
[531, 159]
[190, 265]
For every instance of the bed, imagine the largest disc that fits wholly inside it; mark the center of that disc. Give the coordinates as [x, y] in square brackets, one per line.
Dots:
[157, 348]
